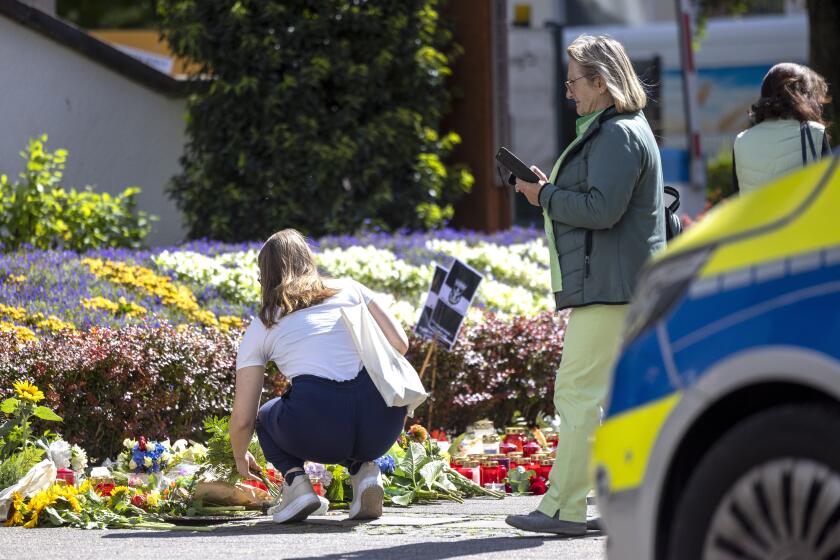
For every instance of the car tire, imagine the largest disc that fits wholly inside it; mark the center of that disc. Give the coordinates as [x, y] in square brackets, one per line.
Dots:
[769, 488]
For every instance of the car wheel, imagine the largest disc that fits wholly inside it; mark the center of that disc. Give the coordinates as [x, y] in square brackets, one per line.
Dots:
[769, 489]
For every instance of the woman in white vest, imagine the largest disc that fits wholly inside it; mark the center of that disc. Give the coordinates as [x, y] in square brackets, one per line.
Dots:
[789, 131]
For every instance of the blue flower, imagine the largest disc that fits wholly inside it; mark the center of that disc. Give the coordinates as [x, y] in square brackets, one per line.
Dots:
[386, 464]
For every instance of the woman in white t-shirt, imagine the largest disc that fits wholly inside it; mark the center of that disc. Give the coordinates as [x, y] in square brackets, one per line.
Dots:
[332, 413]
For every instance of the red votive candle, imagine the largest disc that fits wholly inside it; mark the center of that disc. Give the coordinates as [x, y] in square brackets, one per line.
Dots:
[66, 475]
[530, 448]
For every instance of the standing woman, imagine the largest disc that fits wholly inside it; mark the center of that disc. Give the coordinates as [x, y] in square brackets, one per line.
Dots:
[604, 216]
[788, 131]
[333, 413]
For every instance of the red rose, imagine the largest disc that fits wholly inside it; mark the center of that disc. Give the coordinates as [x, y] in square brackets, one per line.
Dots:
[139, 500]
[141, 443]
[538, 486]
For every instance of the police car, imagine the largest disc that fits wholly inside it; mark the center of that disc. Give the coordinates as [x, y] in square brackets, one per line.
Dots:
[721, 435]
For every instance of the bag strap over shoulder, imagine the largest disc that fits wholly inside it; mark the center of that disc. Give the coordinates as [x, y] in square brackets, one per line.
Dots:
[826, 147]
[675, 205]
[805, 132]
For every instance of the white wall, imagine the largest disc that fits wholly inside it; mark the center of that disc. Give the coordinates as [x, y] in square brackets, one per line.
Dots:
[531, 87]
[118, 133]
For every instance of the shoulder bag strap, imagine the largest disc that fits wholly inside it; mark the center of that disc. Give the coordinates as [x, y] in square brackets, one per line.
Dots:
[802, 127]
[735, 184]
[811, 142]
[826, 147]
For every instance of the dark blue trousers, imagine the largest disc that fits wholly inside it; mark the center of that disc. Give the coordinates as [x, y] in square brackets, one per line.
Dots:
[323, 421]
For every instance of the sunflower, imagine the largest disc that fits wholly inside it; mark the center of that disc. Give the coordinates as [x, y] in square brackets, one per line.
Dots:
[17, 517]
[27, 391]
[37, 504]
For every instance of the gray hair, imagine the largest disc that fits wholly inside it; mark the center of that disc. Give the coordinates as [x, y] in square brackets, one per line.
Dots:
[606, 57]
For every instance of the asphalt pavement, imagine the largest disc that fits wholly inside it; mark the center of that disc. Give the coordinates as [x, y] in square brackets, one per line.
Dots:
[474, 529]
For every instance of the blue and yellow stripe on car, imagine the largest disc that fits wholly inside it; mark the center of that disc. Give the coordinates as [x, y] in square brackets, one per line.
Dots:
[793, 215]
[624, 443]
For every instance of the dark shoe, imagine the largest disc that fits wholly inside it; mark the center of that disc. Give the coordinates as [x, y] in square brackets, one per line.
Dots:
[594, 524]
[538, 522]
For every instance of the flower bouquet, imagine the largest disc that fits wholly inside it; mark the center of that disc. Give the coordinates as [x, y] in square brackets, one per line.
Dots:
[70, 460]
[145, 461]
[413, 471]
[220, 484]
[319, 476]
[20, 449]
[64, 505]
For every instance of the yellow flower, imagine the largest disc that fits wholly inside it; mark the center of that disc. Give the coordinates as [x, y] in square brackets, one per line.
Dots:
[230, 322]
[27, 391]
[119, 494]
[21, 333]
[100, 303]
[47, 498]
[17, 517]
[14, 313]
[121, 306]
[153, 498]
[147, 281]
[54, 324]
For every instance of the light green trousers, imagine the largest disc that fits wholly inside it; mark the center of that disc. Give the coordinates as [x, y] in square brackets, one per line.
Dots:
[589, 351]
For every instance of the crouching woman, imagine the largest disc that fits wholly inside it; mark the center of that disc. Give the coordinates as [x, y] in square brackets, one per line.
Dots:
[332, 413]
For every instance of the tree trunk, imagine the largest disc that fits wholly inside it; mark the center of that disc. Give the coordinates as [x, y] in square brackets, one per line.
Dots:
[824, 23]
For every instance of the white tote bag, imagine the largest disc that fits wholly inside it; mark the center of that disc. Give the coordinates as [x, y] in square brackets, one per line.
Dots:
[393, 375]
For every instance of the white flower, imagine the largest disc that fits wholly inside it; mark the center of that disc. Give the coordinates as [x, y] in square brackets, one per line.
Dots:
[101, 472]
[165, 457]
[78, 458]
[147, 461]
[131, 465]
[196, 453]
[60, 453]
[129, 443]
[516, 277]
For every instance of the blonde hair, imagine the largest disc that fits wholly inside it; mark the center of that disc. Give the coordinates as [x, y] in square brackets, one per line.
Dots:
[289, 276]
[606, 57]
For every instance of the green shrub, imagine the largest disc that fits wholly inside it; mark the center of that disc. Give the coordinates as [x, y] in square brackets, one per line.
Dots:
[323, 116]
[719, 183]
[37, 211]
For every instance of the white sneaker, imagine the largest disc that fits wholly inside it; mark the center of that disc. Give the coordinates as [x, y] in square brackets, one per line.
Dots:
[325, 507]
[298, 501]
[368, 493]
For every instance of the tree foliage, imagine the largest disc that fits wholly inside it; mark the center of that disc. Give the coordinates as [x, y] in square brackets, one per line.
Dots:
[108, 14]
[320, 115]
